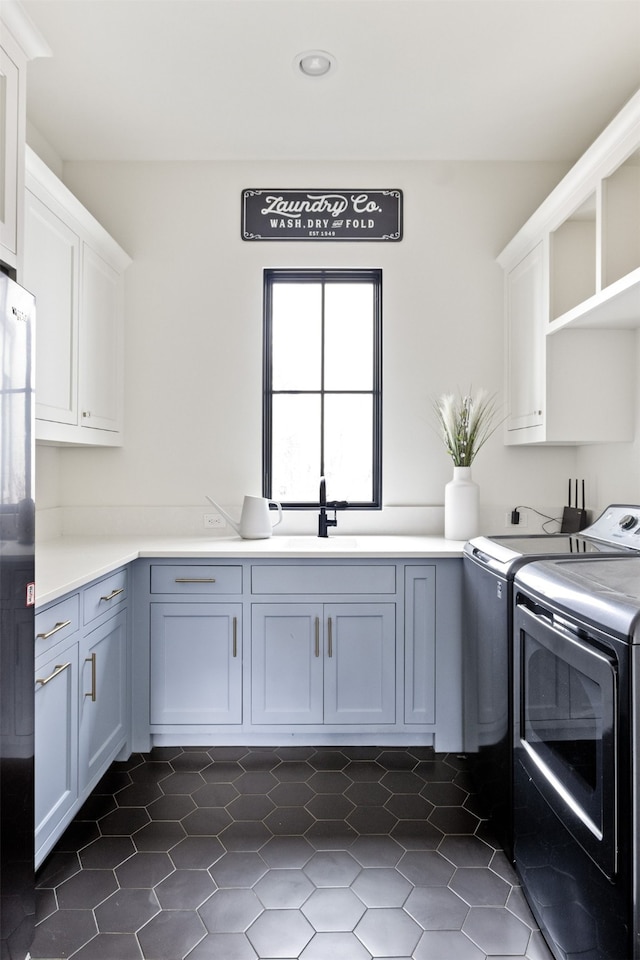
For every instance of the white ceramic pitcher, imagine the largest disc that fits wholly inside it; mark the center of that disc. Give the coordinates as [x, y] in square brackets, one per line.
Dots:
[255, 520]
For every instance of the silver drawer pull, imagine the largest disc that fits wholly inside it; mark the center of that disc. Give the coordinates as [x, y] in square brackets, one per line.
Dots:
[114, 593]
[235, 636]
[195, 580]
[60, 625]
[59, 668]
[330, 643]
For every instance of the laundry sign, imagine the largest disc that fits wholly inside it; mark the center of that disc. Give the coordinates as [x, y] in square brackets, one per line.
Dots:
[322, 215]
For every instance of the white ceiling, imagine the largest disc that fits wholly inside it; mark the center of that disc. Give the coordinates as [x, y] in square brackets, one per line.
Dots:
[202, 80]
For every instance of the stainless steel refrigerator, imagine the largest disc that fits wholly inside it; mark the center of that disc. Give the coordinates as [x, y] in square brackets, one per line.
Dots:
[17, 521]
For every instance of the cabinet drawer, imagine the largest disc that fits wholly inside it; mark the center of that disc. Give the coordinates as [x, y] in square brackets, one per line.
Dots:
[316, 578]
[189, 578]
[105, 595]
[57, 623]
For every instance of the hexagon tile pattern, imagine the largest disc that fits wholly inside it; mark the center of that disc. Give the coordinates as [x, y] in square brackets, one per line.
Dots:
[284, 853]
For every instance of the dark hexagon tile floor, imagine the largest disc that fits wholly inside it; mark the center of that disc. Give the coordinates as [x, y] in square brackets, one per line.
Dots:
[292, 853]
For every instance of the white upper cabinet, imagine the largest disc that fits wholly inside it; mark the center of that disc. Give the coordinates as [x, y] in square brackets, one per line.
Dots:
[51, 267]
[572, 299]
[76, 271]
[100, 380]
[525, 354]
[19, 43]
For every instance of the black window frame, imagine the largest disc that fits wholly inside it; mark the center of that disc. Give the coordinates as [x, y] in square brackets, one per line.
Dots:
[323, 275]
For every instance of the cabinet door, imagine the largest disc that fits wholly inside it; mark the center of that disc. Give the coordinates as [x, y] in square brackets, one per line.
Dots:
[9, 116]
[51, 272]
[286, 663]
[196, 663]
[103, 698]
[360, 663]
[525, 341]
[420, 645]
[100, 376]
[56, 744]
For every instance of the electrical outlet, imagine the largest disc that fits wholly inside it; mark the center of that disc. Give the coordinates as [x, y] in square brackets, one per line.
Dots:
[523, 521]
[214, 521]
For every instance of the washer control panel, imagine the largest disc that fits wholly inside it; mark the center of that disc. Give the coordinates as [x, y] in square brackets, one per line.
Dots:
[618, 524]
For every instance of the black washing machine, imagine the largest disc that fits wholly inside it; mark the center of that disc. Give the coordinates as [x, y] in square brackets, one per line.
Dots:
[576, 739]
[489, 567]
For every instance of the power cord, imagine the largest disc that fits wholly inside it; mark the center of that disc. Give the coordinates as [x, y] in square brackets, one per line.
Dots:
[515, 517]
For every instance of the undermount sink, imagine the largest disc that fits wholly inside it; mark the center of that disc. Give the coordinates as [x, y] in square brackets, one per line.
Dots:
[322, 543]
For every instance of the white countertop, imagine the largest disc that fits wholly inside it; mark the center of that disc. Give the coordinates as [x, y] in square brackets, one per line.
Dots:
[67, 563]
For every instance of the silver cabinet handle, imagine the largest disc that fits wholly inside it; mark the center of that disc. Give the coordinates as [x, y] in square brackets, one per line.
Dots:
[317, 636]
[59, 668]
[114, 593]
[330, 638]
[195, 580]
[92, 692]
[235, 636]
[60, 625]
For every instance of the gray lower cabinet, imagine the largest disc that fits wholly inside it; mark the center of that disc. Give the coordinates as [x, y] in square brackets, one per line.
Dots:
[317, 663]
[420, 644]
[82, 700]
[286, 665]
[294, 650]
[103, 702]
[196, 663]
[195, 660]
[56, 744]
[365, 651]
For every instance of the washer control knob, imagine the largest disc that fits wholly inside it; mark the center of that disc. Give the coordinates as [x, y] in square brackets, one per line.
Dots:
[628, 522]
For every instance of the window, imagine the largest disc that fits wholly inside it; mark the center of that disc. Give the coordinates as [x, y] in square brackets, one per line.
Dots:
[322, 386]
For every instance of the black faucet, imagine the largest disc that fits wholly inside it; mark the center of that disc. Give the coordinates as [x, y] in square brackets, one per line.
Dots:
[324, 522]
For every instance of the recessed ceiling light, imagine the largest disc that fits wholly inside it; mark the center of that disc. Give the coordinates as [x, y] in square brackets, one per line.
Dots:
[315, 63]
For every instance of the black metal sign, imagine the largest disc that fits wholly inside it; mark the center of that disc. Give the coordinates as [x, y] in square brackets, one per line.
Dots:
[322, 214]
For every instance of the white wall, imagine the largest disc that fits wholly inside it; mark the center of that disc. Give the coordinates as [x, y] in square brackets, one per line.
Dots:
[194, 329]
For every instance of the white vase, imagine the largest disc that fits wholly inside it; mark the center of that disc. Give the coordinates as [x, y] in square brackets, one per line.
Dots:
[461, 506]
